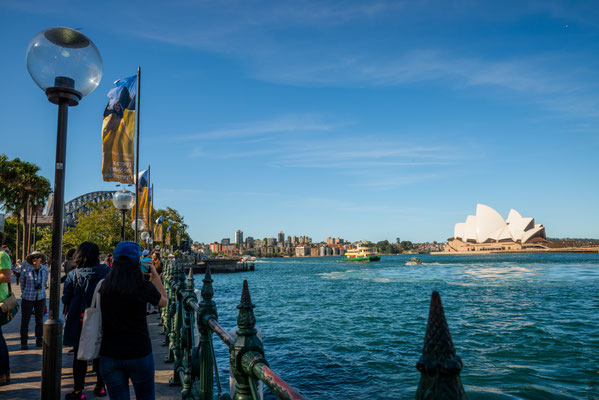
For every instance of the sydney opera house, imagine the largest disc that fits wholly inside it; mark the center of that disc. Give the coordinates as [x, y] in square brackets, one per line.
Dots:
[487, 231]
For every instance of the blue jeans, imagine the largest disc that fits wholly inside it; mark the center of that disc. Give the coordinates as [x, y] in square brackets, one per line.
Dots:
[116, 374]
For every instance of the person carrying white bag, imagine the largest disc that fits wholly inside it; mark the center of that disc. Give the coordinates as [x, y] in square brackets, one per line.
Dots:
[126, 349]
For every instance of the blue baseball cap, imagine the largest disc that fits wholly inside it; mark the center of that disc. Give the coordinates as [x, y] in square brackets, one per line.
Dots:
[129, 250]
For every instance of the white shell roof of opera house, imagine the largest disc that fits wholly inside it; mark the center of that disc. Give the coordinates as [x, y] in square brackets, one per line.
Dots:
[488, 225]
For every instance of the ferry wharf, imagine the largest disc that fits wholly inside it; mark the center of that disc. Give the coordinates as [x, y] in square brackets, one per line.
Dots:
[25, 365]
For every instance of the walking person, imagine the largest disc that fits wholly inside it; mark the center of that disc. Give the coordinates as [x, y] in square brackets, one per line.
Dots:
[33, 281]
[17, 269]
[78, 291]
[5, 277]
[68, 264]
[126, 350]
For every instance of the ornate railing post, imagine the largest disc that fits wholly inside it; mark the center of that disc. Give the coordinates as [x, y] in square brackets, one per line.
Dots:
[171, 312]
[175, 335]
[164, 310]
[205, 361]
[439, 366]
[247, 349]
[189, 296]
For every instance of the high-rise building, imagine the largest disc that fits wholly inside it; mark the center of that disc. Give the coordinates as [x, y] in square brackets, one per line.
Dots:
[238, 237]
[249, 242]
[281, 237]
[225, 241]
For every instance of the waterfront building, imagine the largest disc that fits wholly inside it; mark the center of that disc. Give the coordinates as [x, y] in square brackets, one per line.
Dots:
[314, 251]
[238, 238]
[271, 241]
[487, 231]
[259, 243]
[216, 247]
[249, 242]
[330, 241]
[281, 237]
[302, 251]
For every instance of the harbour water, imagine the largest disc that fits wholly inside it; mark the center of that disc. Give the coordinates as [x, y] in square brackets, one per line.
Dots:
[525, 326]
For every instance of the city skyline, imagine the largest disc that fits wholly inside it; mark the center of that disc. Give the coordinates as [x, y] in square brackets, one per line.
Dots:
[373, 120]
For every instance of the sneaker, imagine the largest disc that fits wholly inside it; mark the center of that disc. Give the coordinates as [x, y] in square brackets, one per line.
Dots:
[24, 346]
[75, 395]
[100, 391]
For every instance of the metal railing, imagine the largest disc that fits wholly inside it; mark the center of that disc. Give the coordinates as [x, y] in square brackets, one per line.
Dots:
[195, 367]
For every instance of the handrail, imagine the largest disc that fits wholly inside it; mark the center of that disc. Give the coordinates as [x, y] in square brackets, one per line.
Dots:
[221, 332]
[278, 386]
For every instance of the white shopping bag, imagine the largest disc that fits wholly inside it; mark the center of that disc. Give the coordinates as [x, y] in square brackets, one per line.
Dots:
[91, 332]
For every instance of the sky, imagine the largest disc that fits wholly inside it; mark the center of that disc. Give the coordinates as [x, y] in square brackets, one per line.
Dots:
[354, 119]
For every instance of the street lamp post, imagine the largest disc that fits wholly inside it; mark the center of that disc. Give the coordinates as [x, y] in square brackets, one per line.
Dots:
[123, 200]
[66, 65]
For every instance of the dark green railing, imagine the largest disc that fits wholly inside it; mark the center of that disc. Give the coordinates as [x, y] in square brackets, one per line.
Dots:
[195, 368]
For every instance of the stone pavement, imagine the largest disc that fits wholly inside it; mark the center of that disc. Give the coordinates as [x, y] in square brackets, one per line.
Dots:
[25, 365]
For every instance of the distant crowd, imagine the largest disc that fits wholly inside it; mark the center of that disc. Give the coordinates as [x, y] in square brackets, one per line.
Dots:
[129, 287]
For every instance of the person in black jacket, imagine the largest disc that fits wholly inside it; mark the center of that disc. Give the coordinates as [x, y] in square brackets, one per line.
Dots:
[78, 291]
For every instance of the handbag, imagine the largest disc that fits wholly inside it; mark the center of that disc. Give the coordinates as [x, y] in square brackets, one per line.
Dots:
[9, 307]
[91, 331]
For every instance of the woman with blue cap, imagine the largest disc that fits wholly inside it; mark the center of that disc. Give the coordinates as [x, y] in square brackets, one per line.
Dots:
[126, 350]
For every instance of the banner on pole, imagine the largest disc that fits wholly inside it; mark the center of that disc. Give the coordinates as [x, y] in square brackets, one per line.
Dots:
[158, 230]
[118, 132]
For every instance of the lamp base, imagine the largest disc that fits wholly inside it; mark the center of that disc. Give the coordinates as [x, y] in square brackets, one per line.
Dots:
[58, 94]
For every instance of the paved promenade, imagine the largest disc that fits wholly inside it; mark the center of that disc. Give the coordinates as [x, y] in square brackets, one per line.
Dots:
[25, 366]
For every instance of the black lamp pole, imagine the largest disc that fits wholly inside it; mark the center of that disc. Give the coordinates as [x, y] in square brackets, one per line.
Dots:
[64, 96]
[123, 225]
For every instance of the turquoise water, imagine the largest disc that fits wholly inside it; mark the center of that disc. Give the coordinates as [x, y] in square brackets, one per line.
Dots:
[525, 326]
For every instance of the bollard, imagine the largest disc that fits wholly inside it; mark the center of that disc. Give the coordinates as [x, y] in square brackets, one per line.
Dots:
[439, 366]
[247, 350]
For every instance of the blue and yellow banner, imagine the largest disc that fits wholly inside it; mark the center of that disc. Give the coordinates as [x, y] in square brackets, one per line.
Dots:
[118, 132]
[144, 198]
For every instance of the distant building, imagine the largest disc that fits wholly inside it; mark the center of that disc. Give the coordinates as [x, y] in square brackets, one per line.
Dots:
[259, 243]
[238, 238]
[302, 251]
[271, 242]
[314, 251]
[249, 242]
[225, 241]
[216, 247]
[281, 237]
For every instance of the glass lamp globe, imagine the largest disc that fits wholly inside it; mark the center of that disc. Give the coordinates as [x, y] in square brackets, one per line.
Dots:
[145, 235]
[123, 199]
[64, 58]
[150, 240]
[140, 224]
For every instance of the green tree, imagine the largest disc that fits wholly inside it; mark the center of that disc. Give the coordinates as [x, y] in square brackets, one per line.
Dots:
[21, 191]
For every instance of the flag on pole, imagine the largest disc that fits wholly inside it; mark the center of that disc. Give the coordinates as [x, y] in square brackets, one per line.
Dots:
[158, 230]
[118, 132]
[142, 189]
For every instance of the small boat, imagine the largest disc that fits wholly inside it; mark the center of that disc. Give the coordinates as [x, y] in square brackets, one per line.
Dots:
[414, 261]
[364, 252]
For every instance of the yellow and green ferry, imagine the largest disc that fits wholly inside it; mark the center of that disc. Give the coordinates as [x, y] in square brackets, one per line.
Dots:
[365, 252]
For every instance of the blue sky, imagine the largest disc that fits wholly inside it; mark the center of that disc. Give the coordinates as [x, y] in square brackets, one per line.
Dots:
[364, 119]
